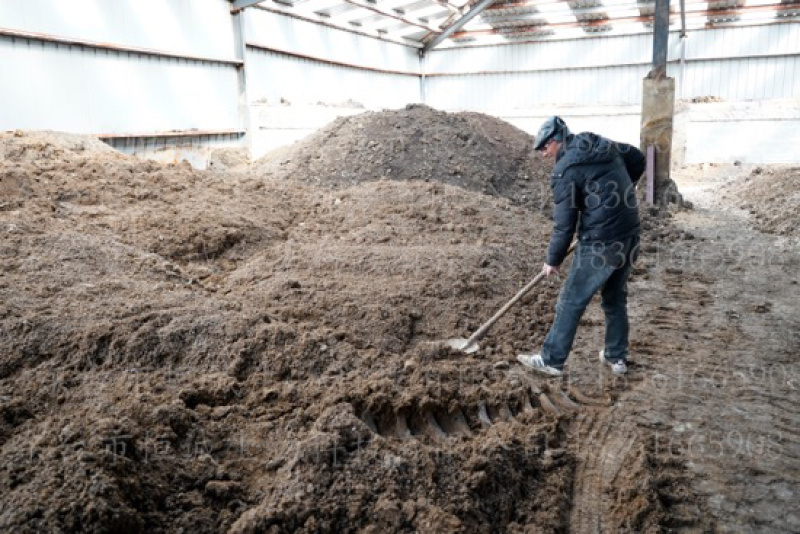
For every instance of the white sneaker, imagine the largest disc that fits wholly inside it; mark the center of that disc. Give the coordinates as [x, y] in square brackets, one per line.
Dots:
[618, 367]
[535, 362]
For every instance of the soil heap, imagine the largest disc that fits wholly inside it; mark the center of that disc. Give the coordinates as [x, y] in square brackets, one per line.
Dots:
[180, 347]
[772, 196]
[249, 352]
[470, 150]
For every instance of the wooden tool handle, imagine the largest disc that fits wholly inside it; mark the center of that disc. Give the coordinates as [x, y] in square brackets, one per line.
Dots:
[485, 327]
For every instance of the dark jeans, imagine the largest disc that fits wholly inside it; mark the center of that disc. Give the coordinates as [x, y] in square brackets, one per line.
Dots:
[603, 267]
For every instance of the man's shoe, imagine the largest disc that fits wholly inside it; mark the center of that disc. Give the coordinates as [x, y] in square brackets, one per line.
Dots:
[535, 362]
[618, 367]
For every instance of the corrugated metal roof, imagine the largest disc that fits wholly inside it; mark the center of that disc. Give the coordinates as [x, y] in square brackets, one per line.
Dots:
[417, 22]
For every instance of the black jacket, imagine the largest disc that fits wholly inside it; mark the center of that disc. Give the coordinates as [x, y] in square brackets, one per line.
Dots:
[593, 177]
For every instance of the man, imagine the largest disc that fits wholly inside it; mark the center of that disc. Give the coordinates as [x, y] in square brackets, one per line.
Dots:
[593, 190]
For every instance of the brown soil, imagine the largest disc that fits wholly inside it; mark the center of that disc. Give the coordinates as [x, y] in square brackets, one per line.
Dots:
[253, 352]
[469, 150]
[772, 198]
[223, 159]
[705, 99]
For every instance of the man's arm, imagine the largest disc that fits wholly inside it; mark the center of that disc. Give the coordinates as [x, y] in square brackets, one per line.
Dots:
[565, 219]
[634, 160]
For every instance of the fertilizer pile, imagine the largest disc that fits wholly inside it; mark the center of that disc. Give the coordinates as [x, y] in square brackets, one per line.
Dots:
[772, 196]
[470, 150]
[256, 352]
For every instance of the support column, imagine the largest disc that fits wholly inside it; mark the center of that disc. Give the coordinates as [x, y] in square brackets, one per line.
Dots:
[423, 80]
[240, 48]
[658, 108]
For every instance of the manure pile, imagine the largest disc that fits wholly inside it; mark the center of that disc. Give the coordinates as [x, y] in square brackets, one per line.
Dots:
[469, 150]
[252, 352]
[772, 196]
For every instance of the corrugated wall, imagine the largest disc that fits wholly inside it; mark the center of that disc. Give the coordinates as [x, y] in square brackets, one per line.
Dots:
[85, 90]
[196, 27]
[303, 62]
[92, 89]
[302, 75]
[196, 149]
[748, 63]
[758, 62]
[602, 85]
[750, 132]
[274, 77]
[179, 73]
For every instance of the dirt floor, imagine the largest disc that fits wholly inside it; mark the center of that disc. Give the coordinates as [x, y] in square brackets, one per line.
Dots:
[258, 351]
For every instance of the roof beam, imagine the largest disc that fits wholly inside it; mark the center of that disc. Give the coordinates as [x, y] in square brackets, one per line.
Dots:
[393, 4]
[393, 14]
[349, 13]
[393, 25]
[403, 32]
[324, 21]
[426, 11]
[447, 5]
[238, 5]
[306, 4]
[314, 6]
[457, 25]
[438, 21]
[387, 23]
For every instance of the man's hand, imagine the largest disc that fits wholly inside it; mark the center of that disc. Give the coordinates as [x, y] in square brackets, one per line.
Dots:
[549, 270]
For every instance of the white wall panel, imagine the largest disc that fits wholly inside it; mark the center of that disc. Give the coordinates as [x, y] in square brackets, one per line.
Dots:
[744, 41]
[75, 89]
[618, 85]
[743, 79]
[196, 27]
[545, 55]
[272, 77]
[621, 123]
[743, 63]
[86, 90]
[197, 150]
[727, 141]
[617, 50]
[301, 37]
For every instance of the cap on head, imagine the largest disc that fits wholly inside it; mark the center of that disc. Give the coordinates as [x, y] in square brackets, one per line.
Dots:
[552, 128]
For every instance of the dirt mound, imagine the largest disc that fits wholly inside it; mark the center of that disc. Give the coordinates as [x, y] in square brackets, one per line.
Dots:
[222, 159]
[213, 351]
[705, 99]
[46, 145]
[469, 150]
[173, 341]
[772, 196]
